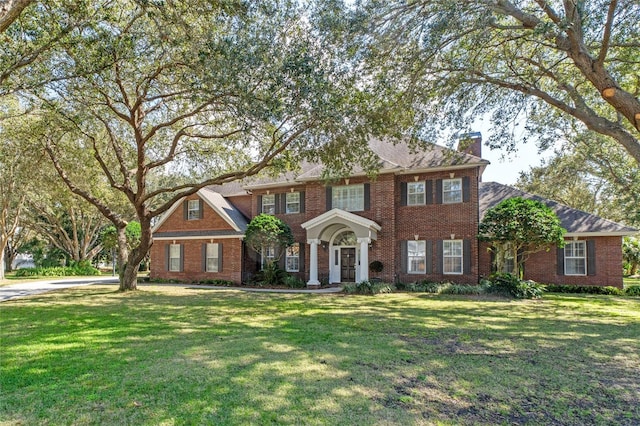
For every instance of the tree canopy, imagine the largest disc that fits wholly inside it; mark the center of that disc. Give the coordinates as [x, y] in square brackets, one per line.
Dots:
[267, 231]
[518, 227]
[210, 91]
[547, 65]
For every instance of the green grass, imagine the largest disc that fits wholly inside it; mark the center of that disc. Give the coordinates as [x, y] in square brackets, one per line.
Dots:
[165, 355]
[628, 281]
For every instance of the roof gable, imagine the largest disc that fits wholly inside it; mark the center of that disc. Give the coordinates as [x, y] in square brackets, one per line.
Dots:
[576, 222]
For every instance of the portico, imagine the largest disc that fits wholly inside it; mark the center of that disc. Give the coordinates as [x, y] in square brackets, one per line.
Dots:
[347, 236]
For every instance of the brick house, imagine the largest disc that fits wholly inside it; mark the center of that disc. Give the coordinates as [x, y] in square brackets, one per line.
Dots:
[419, 217]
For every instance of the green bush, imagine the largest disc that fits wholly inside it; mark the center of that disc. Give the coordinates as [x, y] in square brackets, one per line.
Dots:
[511, 285]
[78, 269]
[462, 289]
[291, 281]
[271, 275]
[584, 289]
[218, 282]
[367, 287]
[634, 290]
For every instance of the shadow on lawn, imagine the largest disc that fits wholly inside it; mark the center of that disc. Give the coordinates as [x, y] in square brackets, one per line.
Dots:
[237, 358]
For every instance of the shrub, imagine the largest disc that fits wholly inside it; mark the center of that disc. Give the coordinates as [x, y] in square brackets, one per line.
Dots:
[462, 289]
[367, 287]
[511, 285]
[291, 281]
[584, 289]
[78, 269]
[634, 290]
[218, 282]
[271, 275]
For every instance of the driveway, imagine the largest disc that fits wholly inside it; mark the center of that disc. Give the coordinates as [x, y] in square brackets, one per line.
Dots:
[36, 287]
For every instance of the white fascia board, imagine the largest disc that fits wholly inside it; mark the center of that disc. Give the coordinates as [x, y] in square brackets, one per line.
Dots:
[200, 237]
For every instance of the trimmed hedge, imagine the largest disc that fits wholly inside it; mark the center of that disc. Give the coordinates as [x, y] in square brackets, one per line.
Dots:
[58, 271]
[584, 289]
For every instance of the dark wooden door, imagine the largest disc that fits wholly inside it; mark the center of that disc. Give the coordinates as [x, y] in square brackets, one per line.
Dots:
[347, 265]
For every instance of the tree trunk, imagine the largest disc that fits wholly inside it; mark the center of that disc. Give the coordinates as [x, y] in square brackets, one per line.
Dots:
[9, 257]
[2, 264]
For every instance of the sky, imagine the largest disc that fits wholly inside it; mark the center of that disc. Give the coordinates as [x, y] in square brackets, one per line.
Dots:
[507, 170]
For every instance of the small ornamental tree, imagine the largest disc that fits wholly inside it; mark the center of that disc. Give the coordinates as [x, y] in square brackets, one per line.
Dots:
[266, 231]
[518, 227]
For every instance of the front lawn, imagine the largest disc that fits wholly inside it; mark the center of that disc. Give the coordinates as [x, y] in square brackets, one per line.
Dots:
[168, 355]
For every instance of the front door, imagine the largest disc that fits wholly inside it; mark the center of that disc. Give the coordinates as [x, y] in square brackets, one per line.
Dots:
[348, 265]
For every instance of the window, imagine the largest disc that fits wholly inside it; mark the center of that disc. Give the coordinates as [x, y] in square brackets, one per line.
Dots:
[268, 255]
[174, 257]
[416, 257]
[193, 209]
[452, 257]
[575, 258]
[415, 193]
[269, 204]
[451, 191]
[349, 198]
[293, 202]
[213, 257]
[292, 263]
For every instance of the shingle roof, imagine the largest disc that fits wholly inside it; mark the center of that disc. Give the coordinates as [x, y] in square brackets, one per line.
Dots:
[229, 213]
[573, 220]
[396, 157]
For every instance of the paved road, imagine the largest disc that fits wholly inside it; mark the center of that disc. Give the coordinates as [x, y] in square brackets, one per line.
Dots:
[36, 287]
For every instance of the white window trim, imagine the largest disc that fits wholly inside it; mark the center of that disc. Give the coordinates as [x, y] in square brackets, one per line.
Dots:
[453, 257]
[584, 258]
[444, 191]
[424, 257]
[294, 203]
[423, 192]
[171, 258]
[193, 213]
[297, 256]
[271, 205]
[211, 247]
[355, 192]
[268, 254]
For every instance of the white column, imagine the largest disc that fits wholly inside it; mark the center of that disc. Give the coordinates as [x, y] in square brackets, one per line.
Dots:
[313, 263]
[364, 258]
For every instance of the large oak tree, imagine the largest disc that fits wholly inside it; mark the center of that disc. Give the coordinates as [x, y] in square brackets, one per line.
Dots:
[546, 64]
[210, 91]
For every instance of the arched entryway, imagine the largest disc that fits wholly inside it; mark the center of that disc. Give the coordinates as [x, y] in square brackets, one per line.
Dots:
[344, 258]
[347, 236]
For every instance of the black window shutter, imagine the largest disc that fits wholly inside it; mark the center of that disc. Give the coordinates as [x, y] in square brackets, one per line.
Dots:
[259, 204]
[438, 257]
[200, 209]
[276, 200]
[220, 257]
[185, 209]
[367, 196]
[429, 191]
[404, 256]
[560, 257]
[438, 191]
[492, 260]
[167, 254]
[466, 189]
[181, 257]
[329, 194]
[403, 193]
[301, 256]
[591, 257]
[283, 258]
[429, 253]
[301, 202]
[204, 257]
[466, 257]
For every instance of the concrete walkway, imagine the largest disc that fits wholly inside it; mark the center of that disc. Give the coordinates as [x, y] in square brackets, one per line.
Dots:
[42, 286]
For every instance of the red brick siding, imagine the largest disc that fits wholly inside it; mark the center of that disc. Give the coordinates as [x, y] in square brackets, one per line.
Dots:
[433, 222]
[210, 220]
[242, 203]
[542, 266]
[193, 271]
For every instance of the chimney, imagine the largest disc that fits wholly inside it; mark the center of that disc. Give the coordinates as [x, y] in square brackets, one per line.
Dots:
[471, 143]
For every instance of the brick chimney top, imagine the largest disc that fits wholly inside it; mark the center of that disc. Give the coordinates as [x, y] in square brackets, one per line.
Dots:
[471, 143]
